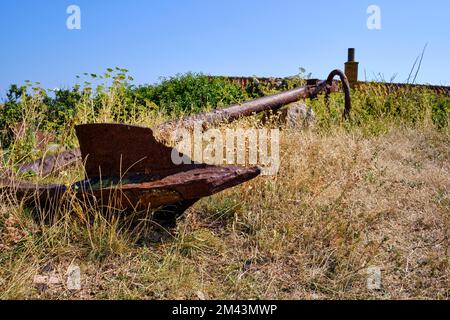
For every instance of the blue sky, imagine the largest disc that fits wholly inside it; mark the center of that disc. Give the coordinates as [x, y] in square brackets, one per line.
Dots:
[232, 37]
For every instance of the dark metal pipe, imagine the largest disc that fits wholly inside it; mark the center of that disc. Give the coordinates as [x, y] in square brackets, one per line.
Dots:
[345, 88]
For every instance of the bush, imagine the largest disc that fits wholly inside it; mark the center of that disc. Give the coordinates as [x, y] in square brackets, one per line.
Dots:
[439, 113]
[10, 113]
[189, 93]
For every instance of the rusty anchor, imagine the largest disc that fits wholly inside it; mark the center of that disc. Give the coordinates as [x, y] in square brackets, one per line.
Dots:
[126, 167]
[128, 164]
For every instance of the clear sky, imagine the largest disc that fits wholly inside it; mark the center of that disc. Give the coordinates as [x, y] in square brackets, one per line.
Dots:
[154, 38]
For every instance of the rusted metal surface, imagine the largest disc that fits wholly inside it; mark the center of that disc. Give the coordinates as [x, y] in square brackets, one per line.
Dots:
[120, 150]
[138, 192]
[141, 192]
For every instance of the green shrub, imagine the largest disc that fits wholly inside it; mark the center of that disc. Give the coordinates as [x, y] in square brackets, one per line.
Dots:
[189, 93]
[10, 113]
[439, 113]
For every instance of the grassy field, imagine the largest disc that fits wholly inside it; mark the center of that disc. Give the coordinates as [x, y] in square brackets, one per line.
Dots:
[348, 196]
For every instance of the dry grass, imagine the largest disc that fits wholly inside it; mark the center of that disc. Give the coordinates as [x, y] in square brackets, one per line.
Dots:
[342, 201]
